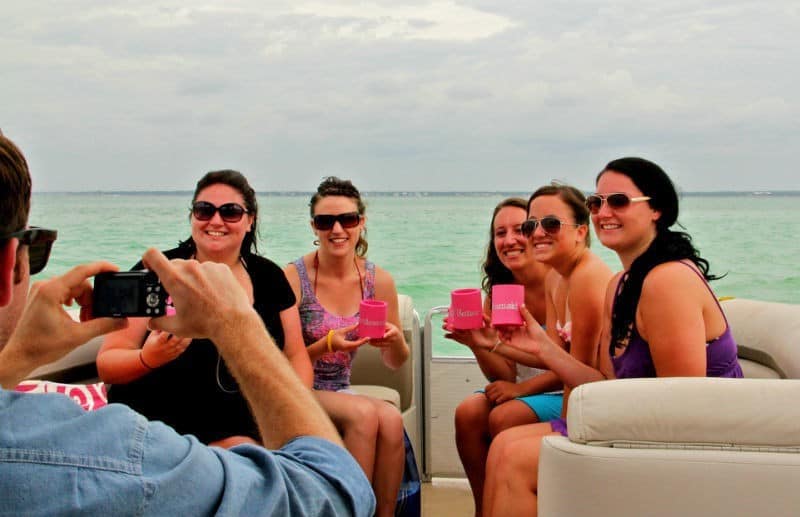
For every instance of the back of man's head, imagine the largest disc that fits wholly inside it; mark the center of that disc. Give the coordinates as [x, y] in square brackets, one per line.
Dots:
[15, 188]
[15, 202]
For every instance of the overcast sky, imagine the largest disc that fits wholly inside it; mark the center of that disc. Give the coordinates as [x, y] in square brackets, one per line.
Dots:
[442, 95]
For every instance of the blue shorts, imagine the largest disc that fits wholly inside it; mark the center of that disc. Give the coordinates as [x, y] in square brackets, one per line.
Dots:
[547, 406]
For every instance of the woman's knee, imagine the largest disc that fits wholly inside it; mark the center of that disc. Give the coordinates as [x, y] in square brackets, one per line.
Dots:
[361, 417]
[510, 414]
[472, 413]
[390, 421]
[513, 454]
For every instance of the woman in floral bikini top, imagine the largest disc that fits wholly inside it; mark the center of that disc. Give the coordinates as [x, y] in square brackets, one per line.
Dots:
[330, 283]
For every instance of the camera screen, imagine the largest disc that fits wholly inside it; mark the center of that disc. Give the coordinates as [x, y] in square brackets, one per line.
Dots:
[121, 295]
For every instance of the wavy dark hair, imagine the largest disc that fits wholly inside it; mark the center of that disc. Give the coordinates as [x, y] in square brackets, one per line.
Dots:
[574, 198]
[333, 186]
[667, 246]
[236, 180]
[494, 272]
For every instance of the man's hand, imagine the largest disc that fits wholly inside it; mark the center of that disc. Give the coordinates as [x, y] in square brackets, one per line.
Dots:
[209, 302]
[45, 332]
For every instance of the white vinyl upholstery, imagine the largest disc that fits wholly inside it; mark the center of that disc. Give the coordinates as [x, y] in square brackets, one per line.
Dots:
[370, 376]
[687, 446]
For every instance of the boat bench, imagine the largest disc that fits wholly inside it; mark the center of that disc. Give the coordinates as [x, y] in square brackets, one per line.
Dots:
[687, 446]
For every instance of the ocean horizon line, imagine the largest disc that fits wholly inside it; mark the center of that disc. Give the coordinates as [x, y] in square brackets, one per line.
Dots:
[405, 193]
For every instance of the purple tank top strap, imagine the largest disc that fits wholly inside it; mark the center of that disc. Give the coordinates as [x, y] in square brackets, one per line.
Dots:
[714, 296]
[369, 280]
[306, 290]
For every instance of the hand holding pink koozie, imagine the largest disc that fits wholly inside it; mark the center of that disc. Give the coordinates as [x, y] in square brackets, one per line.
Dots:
[372, 319]
[466, 309]
[506, 301]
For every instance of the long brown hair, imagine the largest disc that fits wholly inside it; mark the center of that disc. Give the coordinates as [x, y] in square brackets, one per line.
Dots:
[494, 272]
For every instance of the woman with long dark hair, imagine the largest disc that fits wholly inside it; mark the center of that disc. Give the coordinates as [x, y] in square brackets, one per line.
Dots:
[183, 382]
[516, 394]
[662, 318]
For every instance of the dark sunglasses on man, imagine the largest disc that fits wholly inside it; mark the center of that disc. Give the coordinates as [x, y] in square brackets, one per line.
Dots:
[550, 224]
[229, 212]
[39, 242]
[326, 221]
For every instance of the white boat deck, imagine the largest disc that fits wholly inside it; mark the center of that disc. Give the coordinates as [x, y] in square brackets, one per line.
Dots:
[447, 497]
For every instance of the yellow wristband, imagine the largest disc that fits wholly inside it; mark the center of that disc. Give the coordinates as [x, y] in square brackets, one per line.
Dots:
[330, 345]
[496, 345]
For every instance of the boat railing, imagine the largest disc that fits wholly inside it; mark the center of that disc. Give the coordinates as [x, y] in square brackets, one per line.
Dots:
[446, 381]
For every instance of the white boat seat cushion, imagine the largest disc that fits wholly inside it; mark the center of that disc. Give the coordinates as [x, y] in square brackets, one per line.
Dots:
[688, 413]
[379, 392]
[767, 334]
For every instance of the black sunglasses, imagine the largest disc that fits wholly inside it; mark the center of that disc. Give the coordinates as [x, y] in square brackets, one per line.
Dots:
[230, 212]
[39, 242]
[347, 220]
[616, 201]
[551, 225]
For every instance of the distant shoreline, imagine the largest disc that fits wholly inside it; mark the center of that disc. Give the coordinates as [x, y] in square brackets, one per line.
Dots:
[723, 193]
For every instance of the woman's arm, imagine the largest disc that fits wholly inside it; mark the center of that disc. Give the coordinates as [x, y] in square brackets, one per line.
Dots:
[319, 347]
[394, 349]
[518, 355]
[500, 391]
[670, 318]
[293, 346]
[604, 363]
[585, 299]
[481, 341]
[122, 358]
[551, 284]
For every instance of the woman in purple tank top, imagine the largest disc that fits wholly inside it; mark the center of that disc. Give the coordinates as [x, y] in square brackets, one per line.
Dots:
[329, 284]
[662, 319]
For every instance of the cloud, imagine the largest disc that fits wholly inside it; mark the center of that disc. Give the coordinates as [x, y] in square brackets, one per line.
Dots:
[402, 95]
[435, 21]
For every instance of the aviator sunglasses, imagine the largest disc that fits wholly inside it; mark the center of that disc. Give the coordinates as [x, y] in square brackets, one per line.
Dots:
[326, 221]
[616, 201]
[39, 242]
[229, 212]
[551, 225]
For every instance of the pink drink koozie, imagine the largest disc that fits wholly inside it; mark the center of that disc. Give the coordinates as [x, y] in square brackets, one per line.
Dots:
[466, 309]
[506, 301]
[372, 319]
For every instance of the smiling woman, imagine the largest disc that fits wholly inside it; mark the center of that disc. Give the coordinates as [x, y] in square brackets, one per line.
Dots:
[163, 376]
[515, 394]
[331, 284]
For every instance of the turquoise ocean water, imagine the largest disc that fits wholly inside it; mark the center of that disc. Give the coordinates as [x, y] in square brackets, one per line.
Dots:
[431, 244]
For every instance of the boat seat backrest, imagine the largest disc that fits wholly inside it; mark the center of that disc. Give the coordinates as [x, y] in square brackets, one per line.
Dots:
[768, 336]
[368, 367]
